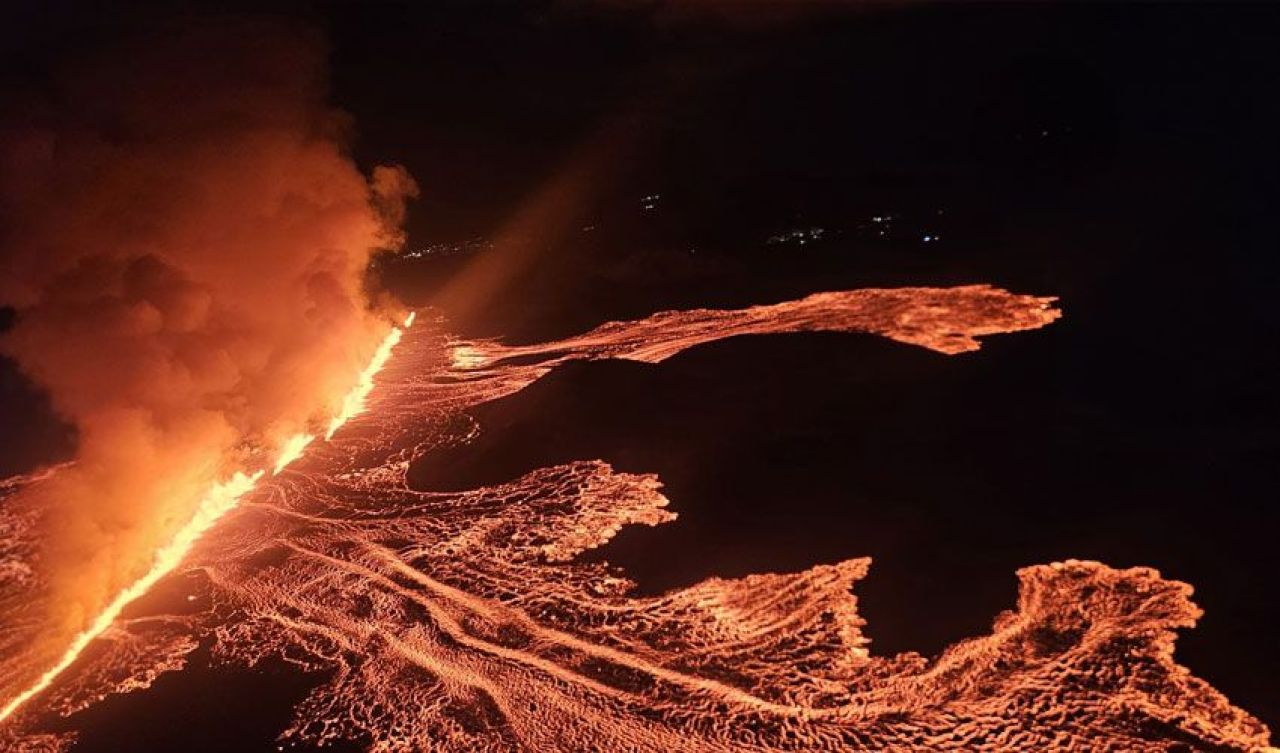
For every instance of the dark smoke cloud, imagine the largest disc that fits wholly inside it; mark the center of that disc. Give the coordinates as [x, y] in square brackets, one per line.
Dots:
[185, 242]
[748, 15]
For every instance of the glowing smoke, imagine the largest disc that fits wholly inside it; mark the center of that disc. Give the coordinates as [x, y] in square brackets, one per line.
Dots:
[186, 242]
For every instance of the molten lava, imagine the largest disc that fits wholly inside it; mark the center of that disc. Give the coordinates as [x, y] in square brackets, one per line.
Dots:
[354, 402]
[464, 621]
[220, 500]
[291, 450]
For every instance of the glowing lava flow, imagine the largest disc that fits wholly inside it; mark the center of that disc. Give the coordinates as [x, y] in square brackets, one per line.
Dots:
[291, 450]
[216, 503]
[353, 405]
[220, 500]
[467, 621]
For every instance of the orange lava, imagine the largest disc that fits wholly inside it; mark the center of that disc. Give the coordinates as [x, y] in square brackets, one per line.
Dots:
[220, 500]
[464, 622]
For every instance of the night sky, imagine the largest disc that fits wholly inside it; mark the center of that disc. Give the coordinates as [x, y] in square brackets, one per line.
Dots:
[665, 155]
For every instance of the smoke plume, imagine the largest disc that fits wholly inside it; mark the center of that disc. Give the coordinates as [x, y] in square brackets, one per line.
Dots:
[185, 244]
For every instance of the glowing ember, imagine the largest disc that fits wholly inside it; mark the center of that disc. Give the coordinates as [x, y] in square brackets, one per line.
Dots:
[462, 621]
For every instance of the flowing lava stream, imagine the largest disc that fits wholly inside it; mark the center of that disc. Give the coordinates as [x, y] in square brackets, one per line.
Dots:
[464, 622]
[220, 500]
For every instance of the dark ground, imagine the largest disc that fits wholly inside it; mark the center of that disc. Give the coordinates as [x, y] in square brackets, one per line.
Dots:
[1123, 158]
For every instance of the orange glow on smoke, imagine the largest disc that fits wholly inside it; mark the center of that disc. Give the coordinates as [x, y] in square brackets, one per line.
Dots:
[219, 500]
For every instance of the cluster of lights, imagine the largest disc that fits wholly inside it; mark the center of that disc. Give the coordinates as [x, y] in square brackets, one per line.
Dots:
[800, 236]
[447, 249]
[882, 226]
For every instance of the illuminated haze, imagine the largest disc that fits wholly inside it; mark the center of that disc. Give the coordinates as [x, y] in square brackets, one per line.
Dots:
[186, 243]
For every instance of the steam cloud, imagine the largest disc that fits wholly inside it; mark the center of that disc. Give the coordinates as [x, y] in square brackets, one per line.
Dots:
[185, 243]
